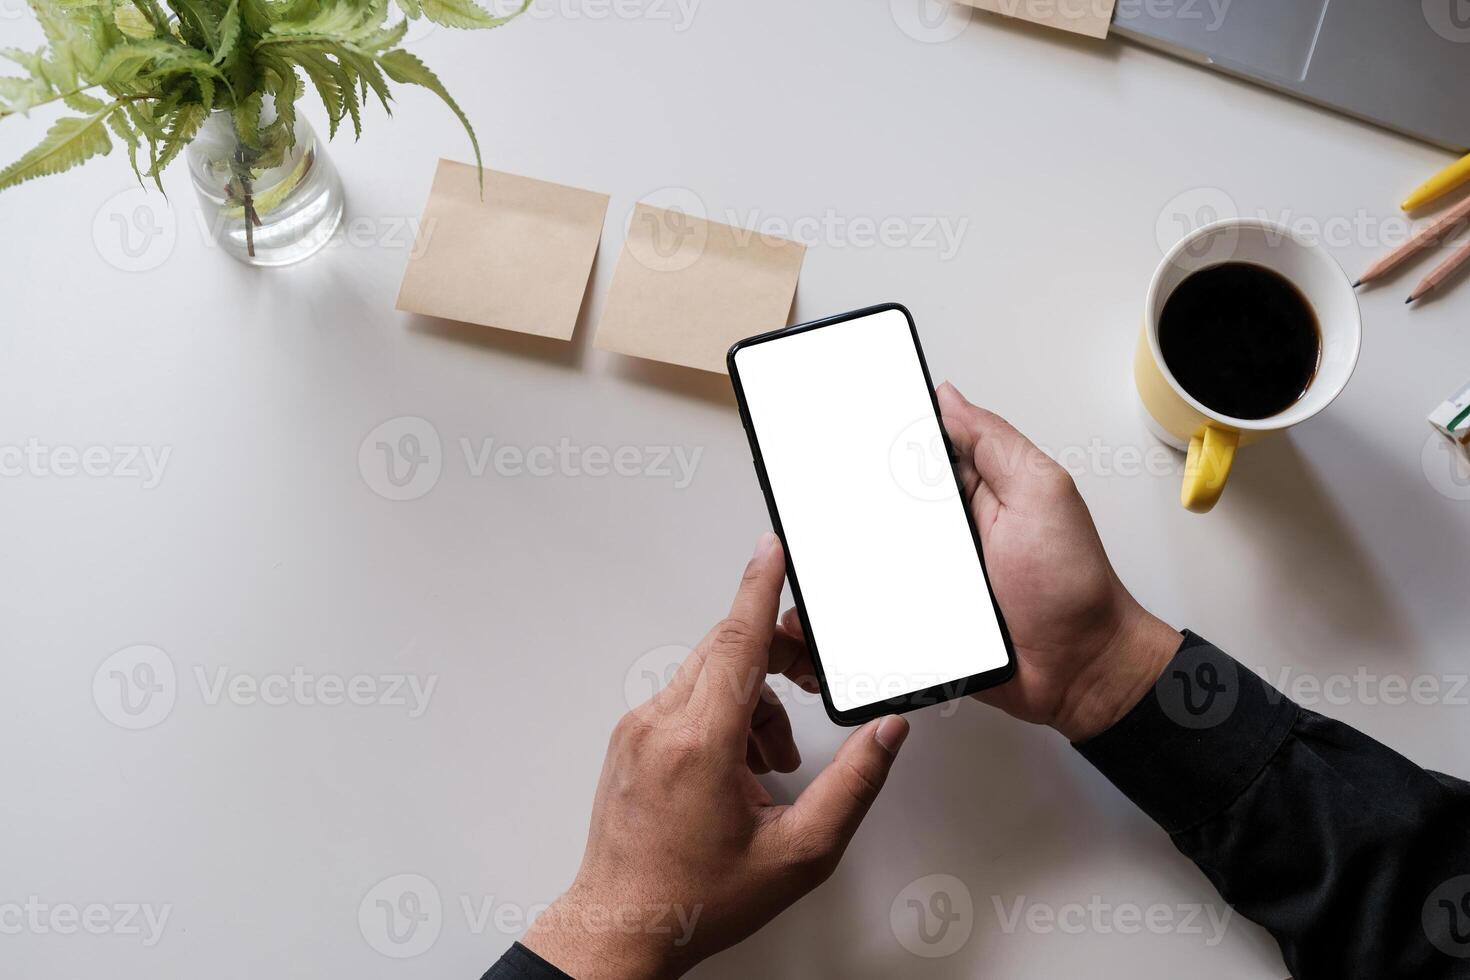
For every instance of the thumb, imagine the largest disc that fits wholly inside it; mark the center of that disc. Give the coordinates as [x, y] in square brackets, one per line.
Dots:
[1001, 455]
[832, 808]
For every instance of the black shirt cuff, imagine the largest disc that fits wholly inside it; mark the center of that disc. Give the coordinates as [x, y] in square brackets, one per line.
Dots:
[519, 963]
[1197, 740]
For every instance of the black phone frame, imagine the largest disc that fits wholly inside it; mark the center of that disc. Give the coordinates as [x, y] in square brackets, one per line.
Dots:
[939, 693]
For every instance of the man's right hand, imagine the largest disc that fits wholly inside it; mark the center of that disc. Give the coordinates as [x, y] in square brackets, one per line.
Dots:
[1087, 650]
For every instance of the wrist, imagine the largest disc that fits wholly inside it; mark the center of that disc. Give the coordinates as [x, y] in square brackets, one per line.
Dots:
[593, 940]
[1119, 676]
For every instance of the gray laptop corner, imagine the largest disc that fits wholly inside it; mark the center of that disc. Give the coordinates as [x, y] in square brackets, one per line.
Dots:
[1402, 64]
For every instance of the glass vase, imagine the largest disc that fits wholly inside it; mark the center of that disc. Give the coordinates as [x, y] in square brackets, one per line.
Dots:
[271, 206]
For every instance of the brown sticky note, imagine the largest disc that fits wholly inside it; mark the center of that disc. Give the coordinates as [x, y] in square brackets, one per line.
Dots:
[518, 259]
[685, 289]
[1092, 18]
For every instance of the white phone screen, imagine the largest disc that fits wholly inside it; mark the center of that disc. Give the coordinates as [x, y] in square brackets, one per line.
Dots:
[887, 567]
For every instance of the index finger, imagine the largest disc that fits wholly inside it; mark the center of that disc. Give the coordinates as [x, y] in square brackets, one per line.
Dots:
[738, 649]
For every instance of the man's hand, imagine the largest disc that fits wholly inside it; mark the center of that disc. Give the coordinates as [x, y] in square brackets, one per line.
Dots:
[688, 854]
[1087, 650]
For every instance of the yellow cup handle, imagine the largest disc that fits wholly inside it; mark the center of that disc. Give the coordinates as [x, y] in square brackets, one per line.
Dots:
[1211, 451]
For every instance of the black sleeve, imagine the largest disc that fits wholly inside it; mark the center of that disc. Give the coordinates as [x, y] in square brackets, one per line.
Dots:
[519, 963]
[1355, 859]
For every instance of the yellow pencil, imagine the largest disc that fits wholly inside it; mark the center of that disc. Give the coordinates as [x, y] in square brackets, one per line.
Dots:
[1439, 185]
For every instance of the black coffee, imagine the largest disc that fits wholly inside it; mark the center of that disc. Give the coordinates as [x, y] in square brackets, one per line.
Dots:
[1241, 339]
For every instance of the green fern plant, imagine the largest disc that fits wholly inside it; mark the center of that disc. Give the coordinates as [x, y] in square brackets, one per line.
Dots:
[150, 72]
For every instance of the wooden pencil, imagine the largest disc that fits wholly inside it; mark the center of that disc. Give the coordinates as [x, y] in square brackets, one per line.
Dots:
[1439, 275]
[1417, 244]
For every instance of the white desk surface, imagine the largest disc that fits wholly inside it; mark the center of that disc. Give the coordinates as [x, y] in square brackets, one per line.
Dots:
[533, 603]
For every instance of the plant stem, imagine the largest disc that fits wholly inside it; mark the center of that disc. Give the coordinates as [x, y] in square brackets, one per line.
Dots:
[240, 161]
[76, 91]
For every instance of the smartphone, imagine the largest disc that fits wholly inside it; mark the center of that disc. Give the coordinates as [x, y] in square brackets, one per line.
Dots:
[882, 554]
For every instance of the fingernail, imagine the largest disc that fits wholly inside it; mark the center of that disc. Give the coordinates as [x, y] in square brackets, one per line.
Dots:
[764, 545]
[891, 732]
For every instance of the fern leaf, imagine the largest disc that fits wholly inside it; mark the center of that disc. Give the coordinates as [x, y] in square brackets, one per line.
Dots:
[349, 102]
[296, 10]
[406, 69]
[466, 14]
[143, 119]
[284, 93]
[369, 75]
[333, 20]
[82, 102]
[183, 128]
[118, 121]
[229, 34]
[125, 61]
[382, 40]
[326, 87]
[132, 22]
[29, 60]
[19, 94]
[69, 142]
[247, 119]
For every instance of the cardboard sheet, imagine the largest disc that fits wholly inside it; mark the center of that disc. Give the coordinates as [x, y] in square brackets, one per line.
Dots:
[1092, 18]
[685, 289]
[518, 260]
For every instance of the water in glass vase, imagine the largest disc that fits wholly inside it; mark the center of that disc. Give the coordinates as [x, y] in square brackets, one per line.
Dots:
[268, 204]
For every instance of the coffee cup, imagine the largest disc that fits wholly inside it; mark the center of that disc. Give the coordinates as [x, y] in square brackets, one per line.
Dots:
[1208, 433]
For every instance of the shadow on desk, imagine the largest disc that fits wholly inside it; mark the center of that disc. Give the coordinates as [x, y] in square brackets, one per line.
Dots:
[548, 350]
[1312, 549]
